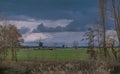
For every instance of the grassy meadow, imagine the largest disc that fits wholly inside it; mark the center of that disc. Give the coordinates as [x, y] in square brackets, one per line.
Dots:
[52, 55]
[58, 54]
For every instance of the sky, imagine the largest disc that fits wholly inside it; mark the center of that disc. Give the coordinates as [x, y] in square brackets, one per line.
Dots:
[52, 21]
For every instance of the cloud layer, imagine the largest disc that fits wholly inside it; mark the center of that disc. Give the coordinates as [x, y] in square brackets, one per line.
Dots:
[48, 9]
[35, 37]
[74, 26]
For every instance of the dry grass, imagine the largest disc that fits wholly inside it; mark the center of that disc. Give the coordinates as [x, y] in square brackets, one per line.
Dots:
[60, 67]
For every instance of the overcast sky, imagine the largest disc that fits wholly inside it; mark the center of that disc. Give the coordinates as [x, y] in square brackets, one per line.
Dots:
[48, 19]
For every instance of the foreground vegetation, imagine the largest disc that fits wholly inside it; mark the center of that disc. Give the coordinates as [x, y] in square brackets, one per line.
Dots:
[61, 67]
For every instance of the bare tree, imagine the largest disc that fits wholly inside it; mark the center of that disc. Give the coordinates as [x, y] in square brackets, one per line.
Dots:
[14, 40]
[102, 8]
[115, 4]
[3, 42]
[110, 42]
[116, 14]
[10, 38]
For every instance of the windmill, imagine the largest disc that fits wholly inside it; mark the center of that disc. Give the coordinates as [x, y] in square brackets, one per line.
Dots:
[40, 43]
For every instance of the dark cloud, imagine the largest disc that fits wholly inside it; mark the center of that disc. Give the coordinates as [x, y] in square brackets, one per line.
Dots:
[24, 30]
[84, 11]
[48, 9]
[42, 28]
[74, 26]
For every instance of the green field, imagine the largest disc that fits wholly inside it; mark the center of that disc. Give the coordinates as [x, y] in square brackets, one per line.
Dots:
[59, 54]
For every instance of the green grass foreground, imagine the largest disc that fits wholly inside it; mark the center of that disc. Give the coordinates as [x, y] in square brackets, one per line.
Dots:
[59, 54]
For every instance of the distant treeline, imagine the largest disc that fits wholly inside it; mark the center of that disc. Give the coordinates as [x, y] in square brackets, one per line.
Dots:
[60, 47]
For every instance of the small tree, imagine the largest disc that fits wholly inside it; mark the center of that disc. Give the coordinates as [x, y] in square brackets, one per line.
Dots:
[75, 44]
[54, 45]
[89, 37]
[111, 39]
